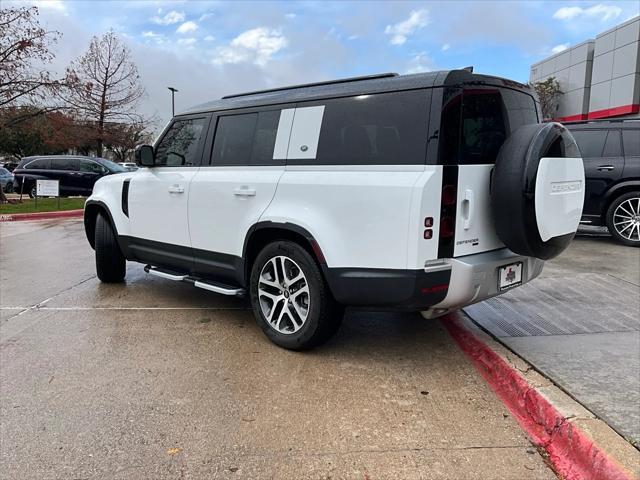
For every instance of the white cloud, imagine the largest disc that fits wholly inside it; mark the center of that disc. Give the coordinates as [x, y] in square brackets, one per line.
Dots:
[51, 5]
[290, 16]
[209, 38]
[169, 19]
[257, 45]
[187, 27]
[421, 62]
[560, 48]
[402, 30]
[445, 47]
[604, 12]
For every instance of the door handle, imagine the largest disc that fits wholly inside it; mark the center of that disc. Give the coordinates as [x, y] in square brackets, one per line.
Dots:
[467, 209]
[606, 168]
[175, 188]
[245, 191]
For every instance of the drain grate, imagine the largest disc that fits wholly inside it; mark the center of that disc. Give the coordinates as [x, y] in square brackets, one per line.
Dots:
[583, 303]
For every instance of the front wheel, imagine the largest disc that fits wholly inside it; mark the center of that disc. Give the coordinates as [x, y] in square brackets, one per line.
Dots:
[290, 299]
[32, 192]
[623, 219]
[110, 263]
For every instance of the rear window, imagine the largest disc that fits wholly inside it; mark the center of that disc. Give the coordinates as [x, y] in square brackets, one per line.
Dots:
[590, 142]
[41, 164]
[70, 164]
[381, 129]
[631, 139]
[475, 122]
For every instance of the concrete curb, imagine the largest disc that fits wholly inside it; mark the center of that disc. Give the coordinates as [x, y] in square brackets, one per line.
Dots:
[16, 217]
[579, 446]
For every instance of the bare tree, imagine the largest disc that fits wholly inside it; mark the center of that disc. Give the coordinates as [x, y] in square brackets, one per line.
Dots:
[23, 43]
[104, 85]
[123, 139]
[549, 94]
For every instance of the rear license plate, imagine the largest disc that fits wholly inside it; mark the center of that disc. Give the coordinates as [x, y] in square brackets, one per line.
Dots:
[509, 276]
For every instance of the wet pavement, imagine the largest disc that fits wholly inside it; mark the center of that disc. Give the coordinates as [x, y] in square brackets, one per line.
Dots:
[579, 324]
[156, 379]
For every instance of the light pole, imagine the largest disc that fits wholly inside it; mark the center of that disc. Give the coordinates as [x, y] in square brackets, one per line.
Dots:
[173, 103]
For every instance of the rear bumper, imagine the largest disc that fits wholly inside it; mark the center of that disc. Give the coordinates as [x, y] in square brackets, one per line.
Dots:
[475, 278]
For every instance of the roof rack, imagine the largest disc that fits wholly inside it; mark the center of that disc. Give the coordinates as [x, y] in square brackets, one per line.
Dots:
[316, 84]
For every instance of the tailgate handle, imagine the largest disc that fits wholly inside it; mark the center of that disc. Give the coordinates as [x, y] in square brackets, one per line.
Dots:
[467, 209]
[606, 168]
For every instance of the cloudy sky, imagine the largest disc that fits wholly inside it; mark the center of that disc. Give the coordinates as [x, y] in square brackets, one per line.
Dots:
[207, 49]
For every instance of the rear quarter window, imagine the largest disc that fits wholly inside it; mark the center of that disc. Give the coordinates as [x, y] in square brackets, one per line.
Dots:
[590, 142]
[40, 164]
[631, 140]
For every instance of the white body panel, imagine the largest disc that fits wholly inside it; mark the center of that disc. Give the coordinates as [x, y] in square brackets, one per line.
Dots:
[475, 232]
[360, 216]
[225, 202]
[559, 196]
[425, 202]
[108, 191]
[158, 199]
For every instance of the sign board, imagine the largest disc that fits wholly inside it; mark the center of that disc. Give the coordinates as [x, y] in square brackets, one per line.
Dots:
[48, 188]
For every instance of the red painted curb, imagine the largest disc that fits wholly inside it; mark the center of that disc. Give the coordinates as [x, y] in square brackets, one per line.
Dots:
[571, 451]
[16, 217]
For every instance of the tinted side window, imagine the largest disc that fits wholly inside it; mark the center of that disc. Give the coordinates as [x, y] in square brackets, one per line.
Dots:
[612, 147]
[590, 142]
[246, 139]
[179, 146]
[483, 127]
[631, 140]
[70, 164]
[42, 164]
[382, 129]
[93, 167]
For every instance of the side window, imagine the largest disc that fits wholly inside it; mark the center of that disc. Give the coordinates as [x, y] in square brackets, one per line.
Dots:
[69, 164]
[41, 164]
[380, 129]
[631, 140]
[92, 167]
[246, 139]
[179, 146]
[590, 142]
[612, 147]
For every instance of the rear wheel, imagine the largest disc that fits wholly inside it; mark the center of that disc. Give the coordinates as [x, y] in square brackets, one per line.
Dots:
[623, 219]
[32, 192]
[110, 263]
[290, 299]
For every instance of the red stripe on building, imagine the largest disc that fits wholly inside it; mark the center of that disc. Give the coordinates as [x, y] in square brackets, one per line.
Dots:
[572, 118]
[616, 111]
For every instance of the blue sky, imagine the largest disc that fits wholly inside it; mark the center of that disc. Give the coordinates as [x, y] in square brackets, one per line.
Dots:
[208, 49]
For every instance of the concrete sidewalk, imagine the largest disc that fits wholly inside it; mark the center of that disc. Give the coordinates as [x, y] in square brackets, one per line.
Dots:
[579, 324]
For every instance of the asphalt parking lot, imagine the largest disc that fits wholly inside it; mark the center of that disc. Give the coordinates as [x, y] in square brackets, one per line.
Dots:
[155, 379]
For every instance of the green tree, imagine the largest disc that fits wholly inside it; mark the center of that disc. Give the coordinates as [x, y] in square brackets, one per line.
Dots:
[549, 93]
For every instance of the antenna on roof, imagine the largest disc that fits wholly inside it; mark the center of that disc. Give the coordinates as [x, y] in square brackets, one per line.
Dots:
[316, 84]
[468, 69]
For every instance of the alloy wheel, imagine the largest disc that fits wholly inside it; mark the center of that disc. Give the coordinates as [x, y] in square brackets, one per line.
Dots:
[283, 294]
[626, 219]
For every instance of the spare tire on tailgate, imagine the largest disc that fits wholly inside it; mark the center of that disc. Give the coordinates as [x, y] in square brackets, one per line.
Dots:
[537, 190]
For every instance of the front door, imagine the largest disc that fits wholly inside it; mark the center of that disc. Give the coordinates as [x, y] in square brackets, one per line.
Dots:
[158, 196]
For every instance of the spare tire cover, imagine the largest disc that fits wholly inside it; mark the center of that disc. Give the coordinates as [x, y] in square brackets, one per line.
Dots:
[537, 190]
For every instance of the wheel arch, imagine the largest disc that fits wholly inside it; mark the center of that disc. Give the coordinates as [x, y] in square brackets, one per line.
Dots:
[263, 233]
[91, 210]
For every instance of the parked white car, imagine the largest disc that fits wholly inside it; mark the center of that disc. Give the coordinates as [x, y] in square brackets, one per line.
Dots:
[422, 192]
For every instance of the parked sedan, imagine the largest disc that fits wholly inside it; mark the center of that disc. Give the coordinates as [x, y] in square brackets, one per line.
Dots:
[611, 155]
[76, 174]
[6, 180]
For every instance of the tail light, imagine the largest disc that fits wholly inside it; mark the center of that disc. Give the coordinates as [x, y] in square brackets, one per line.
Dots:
[447, 227]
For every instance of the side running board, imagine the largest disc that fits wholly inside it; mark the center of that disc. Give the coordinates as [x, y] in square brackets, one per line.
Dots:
[204, 284]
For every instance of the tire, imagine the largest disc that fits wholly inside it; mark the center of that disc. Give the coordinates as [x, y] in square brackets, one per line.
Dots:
[520, 179]
[292, 329]
[625, 212]
[32, 192]
[110, 263]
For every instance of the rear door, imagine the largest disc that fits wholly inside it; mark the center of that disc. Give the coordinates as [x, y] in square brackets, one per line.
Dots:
[244, 160]
[603, 164]
[475, 122]
[87, 175]
[65, 170]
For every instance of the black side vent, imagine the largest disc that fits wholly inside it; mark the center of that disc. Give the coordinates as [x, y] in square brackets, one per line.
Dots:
[125, 196]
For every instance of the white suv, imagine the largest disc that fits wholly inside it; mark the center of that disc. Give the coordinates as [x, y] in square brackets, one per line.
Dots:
[422, 192]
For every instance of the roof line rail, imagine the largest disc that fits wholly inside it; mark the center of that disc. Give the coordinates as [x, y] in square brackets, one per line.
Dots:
[315, 84]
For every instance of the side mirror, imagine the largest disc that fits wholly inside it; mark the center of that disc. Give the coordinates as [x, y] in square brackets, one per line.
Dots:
[144, 156]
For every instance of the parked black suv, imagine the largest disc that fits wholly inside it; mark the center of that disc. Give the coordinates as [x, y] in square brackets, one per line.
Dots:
[77, 174]
[611, 155]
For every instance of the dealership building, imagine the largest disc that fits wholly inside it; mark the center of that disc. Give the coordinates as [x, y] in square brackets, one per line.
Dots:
[599, 79]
